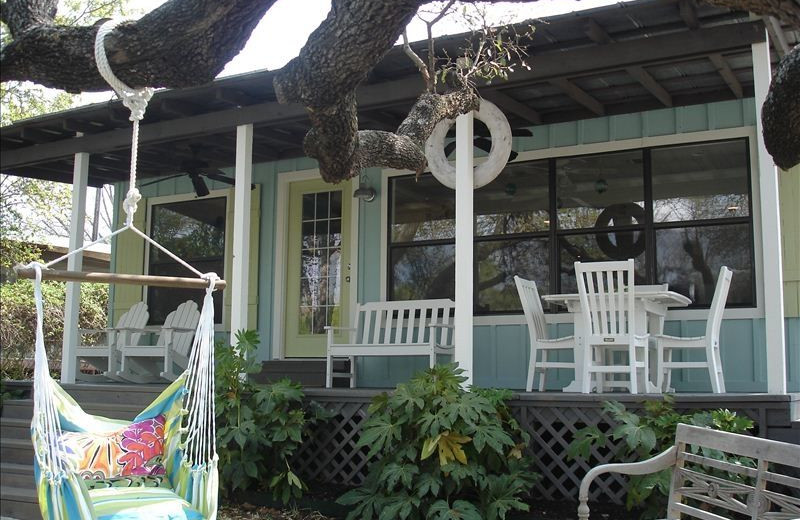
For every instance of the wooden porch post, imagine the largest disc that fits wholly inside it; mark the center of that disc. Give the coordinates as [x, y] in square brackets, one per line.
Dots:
[770, 232]
[72, 301]
[241, 229]
[465, 186]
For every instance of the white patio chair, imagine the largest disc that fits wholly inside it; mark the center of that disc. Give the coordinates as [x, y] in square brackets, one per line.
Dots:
[667, 345]
[105, 358]
[606, 295]
[537, 330]
[146, 363]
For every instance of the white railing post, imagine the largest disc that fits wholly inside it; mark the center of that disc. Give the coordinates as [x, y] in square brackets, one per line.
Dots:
[240, 282]
[72, 301]
[464, 277]
[770, 232]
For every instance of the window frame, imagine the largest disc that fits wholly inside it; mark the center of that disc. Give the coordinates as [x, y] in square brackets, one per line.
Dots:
[649, 227]
[226, 193]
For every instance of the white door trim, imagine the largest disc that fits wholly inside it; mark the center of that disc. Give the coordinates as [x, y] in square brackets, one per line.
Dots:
[285, 179]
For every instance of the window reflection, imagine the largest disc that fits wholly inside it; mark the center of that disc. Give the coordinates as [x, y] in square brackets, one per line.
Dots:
[688, 259]
[517, 201]
[422, 209]
[701, 181]
[423, 272]
[586, 185]
[195, 231]
[498, 261]
[594, 248]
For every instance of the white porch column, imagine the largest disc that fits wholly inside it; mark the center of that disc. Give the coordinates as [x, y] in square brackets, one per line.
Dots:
[770, 232]
[72, 303]
[241, 229]
[465, 186]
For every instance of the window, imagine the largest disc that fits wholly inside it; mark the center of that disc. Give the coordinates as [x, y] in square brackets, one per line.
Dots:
[680, 211]
[195, 231]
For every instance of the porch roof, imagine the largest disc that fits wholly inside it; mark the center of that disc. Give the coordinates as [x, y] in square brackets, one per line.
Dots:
[621, 58]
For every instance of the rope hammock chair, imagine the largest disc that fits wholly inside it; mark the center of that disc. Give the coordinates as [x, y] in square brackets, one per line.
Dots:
[163, 464]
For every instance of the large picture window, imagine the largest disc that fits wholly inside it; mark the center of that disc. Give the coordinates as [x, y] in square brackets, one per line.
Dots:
[679, 211]
[195, 231]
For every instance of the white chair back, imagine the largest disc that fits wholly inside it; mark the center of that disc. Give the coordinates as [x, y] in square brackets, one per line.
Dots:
[134, 318]
[186, 316]
[606, 296]
[718, 304]
[532, 307]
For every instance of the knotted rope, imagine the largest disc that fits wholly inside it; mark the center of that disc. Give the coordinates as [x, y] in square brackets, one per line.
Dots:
[135, 99]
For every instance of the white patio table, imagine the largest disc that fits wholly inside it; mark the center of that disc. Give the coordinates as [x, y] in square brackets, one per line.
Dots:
[650, 302]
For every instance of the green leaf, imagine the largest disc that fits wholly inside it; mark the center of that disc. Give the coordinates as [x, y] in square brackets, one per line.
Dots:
[427, 483]
[583, 441]
[402, 473]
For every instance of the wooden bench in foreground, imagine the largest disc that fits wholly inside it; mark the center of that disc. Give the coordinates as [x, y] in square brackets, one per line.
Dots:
[706, 485]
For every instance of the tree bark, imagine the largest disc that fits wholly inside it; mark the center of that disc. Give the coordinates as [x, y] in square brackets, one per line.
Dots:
[179, 44]
[780, 115]
[785, 10]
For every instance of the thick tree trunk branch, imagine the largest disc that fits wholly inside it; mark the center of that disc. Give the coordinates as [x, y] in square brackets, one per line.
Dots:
[181, 43]
[21, 15]
[780, 115]
[785, 10]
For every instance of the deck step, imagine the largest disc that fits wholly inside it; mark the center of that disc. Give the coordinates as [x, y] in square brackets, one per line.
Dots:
[23, 409]
[17, 475]
[16, 451]
[19, 503]
[14, 428]
[308, 372]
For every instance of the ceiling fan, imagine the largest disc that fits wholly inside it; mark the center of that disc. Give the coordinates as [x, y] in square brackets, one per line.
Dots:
[196, 169]
[482, 139]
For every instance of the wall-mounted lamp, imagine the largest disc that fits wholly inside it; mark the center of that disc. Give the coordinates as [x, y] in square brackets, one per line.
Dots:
[364, 192]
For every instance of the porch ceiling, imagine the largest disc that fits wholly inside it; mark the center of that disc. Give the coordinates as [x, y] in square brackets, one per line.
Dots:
[622, 58]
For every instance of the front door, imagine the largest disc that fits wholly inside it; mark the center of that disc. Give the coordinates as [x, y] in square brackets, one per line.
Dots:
[318, 265]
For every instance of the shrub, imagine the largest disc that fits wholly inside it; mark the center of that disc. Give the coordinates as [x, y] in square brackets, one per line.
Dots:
[18, 320]
[646, 436]
[259, 427]
[442, 452]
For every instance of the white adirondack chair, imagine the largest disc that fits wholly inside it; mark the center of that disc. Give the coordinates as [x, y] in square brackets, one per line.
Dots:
[105, 358]
[667, 345]
[607, 305]
[146, 363]
[537, 330]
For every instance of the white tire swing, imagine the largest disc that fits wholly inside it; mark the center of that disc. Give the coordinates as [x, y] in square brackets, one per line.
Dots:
[500, 132]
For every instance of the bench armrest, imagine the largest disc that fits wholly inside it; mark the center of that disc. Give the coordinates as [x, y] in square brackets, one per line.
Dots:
[441, 325]
[142, 330]
[661, 461]
[330, 327]
[93, 331]
[179, 329]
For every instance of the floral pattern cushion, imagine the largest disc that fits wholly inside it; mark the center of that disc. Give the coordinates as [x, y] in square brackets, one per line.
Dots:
[136, 450]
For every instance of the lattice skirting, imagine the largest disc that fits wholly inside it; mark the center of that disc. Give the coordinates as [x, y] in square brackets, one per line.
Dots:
[551, 419]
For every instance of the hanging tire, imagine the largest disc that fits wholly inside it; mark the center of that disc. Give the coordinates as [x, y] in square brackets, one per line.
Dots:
[486, 172]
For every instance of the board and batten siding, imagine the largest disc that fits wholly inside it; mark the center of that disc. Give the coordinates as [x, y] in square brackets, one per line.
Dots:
[501, 343]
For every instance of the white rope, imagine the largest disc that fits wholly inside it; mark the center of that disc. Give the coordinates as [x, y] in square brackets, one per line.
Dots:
[199, 444]
[50, 452]
[135, 99]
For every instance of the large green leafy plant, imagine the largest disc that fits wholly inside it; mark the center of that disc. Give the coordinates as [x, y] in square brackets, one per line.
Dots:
[441, 452]
[259, 426]
[647, 435]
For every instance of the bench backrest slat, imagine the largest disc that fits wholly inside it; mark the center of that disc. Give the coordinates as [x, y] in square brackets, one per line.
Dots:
[402, 322]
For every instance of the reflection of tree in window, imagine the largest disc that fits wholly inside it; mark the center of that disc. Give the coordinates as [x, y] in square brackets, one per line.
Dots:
[195, 231]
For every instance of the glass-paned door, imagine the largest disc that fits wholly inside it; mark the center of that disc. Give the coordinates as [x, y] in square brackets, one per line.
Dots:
[318, 266]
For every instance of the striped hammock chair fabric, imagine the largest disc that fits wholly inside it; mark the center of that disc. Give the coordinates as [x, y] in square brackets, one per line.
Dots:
[179, 483]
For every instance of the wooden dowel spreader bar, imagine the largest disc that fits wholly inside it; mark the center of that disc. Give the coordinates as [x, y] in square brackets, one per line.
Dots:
[128, 279]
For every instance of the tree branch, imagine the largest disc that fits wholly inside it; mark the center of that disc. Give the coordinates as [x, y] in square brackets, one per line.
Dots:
[21, 15]
[785, 10]
[179, 44]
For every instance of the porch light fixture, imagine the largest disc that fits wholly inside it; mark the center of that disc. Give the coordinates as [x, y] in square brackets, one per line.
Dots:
[364, 192]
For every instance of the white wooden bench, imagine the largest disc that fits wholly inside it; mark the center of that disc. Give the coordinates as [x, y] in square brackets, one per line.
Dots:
[761, 492]
[398, 328]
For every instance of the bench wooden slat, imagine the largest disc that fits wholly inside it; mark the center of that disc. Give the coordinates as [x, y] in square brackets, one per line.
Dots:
[742, 445]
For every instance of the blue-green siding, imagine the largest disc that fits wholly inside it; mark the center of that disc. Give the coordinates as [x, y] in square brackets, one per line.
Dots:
[501, 351]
